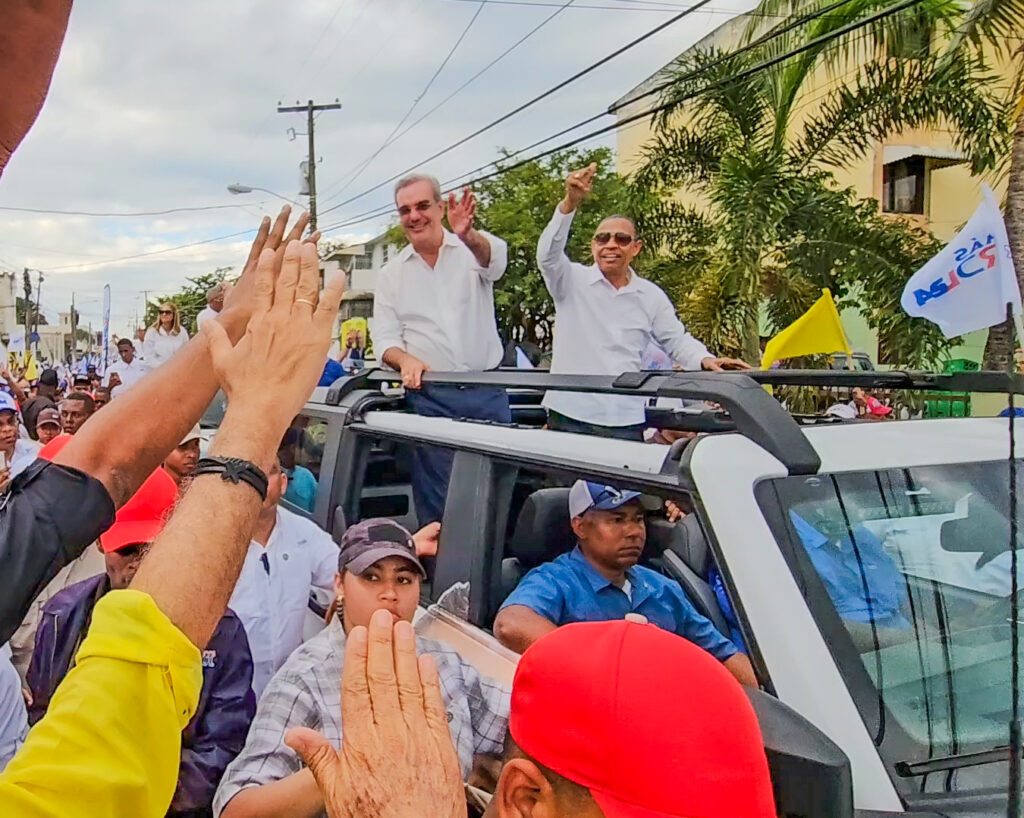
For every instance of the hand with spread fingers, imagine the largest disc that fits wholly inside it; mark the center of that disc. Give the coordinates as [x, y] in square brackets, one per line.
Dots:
[397, 759]
[461, 213]
[578, 187]
[288, 335]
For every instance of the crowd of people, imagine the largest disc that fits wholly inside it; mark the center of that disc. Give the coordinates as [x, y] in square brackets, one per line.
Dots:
[154, 590]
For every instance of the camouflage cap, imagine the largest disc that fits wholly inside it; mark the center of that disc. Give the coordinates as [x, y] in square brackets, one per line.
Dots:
[365, 543]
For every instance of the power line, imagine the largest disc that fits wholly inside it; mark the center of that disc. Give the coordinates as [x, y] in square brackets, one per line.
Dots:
[118, 214]
[468, 82]
[369, 160]
[579, 74]
[761, 66]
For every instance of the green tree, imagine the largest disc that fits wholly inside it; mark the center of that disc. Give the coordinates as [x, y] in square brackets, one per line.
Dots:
[776, 227]
[190, 300]
[517, 205]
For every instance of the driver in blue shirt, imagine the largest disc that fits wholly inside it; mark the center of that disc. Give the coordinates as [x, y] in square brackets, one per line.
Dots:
[600, 580]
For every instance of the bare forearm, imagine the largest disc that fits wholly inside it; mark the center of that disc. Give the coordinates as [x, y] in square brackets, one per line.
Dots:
[19, 393]
[739, 666]
[517, 627]
[394, 356]
[296, 796]
[199, 555]
[121, 446]
[478, 246]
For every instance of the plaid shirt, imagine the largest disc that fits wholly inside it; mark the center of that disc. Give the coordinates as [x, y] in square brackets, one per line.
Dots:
[306, 692]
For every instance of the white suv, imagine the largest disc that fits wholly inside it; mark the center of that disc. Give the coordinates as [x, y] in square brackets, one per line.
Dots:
[864, 566]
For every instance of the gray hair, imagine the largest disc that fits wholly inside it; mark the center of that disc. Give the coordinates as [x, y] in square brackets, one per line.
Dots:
[625, 219]
[214, 291]
[405, 181]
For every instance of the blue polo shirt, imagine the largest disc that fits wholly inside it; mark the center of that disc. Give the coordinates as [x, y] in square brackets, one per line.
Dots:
[874, 594]
[569, 589]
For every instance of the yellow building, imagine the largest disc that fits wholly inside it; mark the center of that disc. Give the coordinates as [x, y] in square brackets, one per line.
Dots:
[917, 175]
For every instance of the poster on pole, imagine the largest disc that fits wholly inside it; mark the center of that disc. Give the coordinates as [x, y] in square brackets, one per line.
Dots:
[106, 326]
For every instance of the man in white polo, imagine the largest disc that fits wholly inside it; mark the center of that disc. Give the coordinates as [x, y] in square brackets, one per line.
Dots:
[434, 310]
[605, 317]
[129, 370]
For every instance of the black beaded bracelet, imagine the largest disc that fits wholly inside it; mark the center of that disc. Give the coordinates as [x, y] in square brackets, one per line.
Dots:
[236, 471]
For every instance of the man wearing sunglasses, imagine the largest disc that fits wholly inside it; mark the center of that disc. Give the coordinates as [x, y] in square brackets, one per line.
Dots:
[606, 315]
[216, 734]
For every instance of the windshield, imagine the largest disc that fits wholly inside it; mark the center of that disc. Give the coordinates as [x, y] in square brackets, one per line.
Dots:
[908, 573]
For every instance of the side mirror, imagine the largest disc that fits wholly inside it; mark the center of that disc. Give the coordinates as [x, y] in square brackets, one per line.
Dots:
[811, 775]
[339, 524]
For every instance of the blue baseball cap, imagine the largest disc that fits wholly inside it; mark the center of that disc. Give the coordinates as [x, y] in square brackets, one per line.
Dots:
[584, 496]
[7, 403]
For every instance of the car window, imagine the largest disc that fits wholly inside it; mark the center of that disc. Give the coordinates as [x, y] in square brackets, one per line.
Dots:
[386, 489]
[914, 566]
[301, 453]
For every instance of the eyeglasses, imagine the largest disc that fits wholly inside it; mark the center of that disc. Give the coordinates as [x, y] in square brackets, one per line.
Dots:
[621, 239]
[167, 312]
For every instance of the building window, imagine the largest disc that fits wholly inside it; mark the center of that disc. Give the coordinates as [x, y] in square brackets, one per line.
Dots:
[386, 249]
[363, 262]
[903, 186]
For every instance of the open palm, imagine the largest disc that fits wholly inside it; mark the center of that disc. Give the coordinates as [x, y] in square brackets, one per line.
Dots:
[461, 213]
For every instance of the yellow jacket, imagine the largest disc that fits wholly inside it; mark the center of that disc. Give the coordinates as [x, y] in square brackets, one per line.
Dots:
[109, 745]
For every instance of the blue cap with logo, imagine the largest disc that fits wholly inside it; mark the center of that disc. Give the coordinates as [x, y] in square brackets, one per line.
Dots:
[7, 403]
[584, 496]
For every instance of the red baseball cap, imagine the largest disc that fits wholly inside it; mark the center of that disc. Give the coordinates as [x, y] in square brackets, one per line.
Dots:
[143, 516]
[648, 722]
[49, 451]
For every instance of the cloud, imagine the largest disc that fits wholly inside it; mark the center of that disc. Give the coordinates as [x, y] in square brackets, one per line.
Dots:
[160, 105]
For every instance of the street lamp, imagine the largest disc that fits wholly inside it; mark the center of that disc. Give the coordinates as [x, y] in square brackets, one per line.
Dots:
[237, 189]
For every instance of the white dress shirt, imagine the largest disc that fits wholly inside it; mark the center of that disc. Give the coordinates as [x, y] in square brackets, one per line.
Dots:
[272, 592]
[601, 330]
[130, 374]
[444, 316]
[25, 453]
[207, 313]
[160, 345]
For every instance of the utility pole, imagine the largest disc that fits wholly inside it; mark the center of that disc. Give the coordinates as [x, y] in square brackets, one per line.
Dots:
[27, 281]
[310, 108]
[74, 334]
[39, 295]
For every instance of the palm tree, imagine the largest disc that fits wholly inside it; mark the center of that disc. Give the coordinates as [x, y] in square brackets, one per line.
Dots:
[753, 144]
[998, 25]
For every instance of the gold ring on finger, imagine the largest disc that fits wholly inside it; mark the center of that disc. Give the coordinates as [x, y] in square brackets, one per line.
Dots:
[305, 301]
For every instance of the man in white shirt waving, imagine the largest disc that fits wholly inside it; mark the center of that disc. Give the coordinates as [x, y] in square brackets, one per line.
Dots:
[129, 370]
[605, 316]
[434, 310]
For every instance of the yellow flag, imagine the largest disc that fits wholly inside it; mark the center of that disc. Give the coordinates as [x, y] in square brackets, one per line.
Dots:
[31, 370]
[816, 331]
[357, 324]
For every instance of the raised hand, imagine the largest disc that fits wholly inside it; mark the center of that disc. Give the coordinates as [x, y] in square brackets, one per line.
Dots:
[462, 213]
[397, 759]
[287, 337]
[578, 186]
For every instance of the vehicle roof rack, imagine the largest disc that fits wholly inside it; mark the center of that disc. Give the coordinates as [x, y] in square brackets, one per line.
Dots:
[755, 413]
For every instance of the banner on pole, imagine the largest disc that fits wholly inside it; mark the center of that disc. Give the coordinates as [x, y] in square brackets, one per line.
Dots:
[106, 327]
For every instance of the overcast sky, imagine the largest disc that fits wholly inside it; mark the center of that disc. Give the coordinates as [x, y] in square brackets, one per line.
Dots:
[162, 105]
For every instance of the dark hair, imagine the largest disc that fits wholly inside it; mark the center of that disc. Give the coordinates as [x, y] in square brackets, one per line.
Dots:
[90, 404]
[125, 342]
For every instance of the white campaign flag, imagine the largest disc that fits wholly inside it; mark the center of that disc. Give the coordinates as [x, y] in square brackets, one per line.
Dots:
[967, 286]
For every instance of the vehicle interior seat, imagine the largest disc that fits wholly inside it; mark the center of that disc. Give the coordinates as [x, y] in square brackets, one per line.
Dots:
[687, 558]
[542, 532]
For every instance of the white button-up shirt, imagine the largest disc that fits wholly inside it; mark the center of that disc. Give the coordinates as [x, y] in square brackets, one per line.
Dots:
[206, 314]
[130, 374]
[272, 592]
[601, 330]
[444, 316]
[160, 345]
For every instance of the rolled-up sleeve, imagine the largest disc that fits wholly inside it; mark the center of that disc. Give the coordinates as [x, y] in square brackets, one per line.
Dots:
[499, 258]
[541, 592]
[671, 335]
[112, 734]
[386, 326]
[697, 628]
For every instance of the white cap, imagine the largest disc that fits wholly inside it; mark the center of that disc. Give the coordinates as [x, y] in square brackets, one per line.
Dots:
[194, 434]
[585, 495]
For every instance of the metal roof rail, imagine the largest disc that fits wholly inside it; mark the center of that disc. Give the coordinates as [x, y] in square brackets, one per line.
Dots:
[755, 413]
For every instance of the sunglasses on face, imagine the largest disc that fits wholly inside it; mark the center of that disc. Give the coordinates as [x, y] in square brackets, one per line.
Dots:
[621, 239]
[167, 312]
